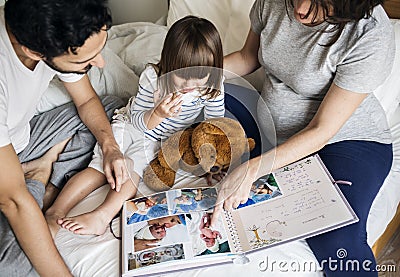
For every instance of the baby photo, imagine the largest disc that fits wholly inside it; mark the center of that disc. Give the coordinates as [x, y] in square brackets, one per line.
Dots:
[189, 200]
[159, 232]
[156, 256]
[263, 189]
[144, 208]
[205, 240]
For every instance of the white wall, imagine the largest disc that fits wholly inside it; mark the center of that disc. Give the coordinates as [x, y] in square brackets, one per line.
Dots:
[137, 10]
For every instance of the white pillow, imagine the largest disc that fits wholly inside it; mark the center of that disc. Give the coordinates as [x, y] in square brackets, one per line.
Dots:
[389, 92]
[114, 79]
[137, 43]
[230, 17]
[129, 48]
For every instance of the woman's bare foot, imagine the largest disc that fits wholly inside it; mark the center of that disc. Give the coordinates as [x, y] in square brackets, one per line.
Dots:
[93, 223]
[40, 169]
[52, 218]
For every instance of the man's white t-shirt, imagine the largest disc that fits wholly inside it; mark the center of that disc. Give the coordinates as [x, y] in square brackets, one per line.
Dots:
[20, 91]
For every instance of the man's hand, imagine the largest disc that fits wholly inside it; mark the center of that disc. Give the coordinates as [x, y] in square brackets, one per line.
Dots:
[115, 167]
[88, 104]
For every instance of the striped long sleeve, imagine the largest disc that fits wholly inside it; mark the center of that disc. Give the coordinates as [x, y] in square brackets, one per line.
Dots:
[191, 108]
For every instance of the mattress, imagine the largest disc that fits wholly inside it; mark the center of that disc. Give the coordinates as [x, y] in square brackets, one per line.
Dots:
[100, 255]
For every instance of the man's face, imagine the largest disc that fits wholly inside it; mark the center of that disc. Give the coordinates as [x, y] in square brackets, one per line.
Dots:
[87, 56]
[158, 231]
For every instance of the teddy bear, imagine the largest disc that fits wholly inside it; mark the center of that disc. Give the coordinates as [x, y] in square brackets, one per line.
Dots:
[208, 147]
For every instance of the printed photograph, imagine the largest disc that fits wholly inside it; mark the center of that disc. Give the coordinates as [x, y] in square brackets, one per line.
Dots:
[263, 189]
[159, 232]
[206, 240]
[190, 200]
[148, 207]
[156, 256]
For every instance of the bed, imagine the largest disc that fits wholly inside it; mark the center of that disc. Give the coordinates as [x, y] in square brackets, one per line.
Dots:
[131, 45]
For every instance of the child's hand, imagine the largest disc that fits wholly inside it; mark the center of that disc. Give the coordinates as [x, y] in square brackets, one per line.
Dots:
[169, 106]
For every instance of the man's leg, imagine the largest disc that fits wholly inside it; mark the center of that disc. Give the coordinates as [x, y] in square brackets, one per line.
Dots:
[55, 126]
[78, 152]
[40, 169]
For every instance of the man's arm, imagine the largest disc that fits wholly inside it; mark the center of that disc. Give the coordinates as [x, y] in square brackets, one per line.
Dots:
[26, 218]
[92, 114]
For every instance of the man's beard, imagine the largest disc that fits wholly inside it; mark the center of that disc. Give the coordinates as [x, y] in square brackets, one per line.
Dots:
[56, 68]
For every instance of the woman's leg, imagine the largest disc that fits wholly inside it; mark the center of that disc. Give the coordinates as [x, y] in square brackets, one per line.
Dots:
[241, 104]
[345, 252]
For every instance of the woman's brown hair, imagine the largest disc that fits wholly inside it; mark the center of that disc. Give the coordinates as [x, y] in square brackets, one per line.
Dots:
[339, 12]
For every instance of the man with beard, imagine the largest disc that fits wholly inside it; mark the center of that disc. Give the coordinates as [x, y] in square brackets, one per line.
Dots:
[38, 40]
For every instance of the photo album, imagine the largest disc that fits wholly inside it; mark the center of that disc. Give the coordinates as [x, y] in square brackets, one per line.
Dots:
[169, 231]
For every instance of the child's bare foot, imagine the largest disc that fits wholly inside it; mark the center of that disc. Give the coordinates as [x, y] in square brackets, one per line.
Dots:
[40, 169]
[52, 221]
[93, 223]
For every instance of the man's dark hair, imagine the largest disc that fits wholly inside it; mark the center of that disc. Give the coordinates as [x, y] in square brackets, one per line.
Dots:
[55, 27]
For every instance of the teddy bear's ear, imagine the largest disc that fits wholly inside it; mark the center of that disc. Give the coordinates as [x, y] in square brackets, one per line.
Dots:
[251, 143]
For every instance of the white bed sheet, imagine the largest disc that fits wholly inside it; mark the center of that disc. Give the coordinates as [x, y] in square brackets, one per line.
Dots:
[100, 255]
[385, 204]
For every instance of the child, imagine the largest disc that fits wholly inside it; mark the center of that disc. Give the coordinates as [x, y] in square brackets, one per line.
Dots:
[171, 96]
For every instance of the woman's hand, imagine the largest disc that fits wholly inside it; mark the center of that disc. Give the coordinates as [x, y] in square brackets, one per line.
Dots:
[235, 189]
